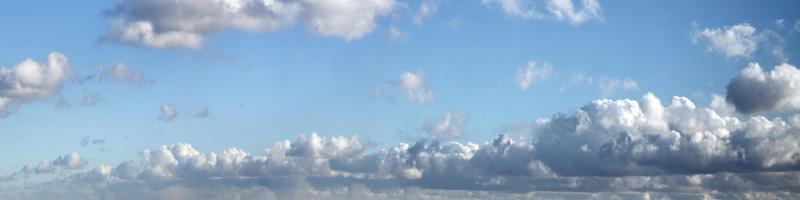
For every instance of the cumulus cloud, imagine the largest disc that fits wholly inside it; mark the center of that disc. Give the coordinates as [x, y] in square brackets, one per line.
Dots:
[561, 10]
[531, 74]
[168, 112]
[740, 41]
[187, 24]
[450, 125]
[415, 87]
[755, 90]
[30, 81]
[69, 161]
[123, 73]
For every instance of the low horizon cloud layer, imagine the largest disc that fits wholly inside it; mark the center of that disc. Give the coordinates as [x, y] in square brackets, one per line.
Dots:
[625, 145]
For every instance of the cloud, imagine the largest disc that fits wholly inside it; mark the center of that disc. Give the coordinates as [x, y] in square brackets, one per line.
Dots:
[187, 24]
[31, 81]
[560, 10]
[91, 99]
[123, 73]
[414, 87]
[450, 125]
[85, 141]
[168, 112]
[531, 74]
[605, 85]
[735, 41]
[203, 113]
[69, 161]
[425, 9]
[740, 41]
[395, 34]
[755, 90]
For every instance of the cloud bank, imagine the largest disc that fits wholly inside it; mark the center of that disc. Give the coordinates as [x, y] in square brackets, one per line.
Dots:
[607, 145]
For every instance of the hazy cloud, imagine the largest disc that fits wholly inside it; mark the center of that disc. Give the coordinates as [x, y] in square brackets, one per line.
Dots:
[415, 88]
[532, 73]
[168, 112]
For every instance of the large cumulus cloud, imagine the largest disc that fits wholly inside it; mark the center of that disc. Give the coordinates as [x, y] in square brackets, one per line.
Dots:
[756, 90]
[31, 81]
[187, 23]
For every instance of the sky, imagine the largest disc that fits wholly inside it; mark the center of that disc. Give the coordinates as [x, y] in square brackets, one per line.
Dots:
[392, 99]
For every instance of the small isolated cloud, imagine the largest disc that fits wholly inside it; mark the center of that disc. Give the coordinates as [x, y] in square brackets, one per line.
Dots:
[395, 34]
[187, 23]
[755, 90]
[202, 113]
[123, 73]
[91, 100]
[85, 141]
[414, 88]
[732, 41]
[560, 10]
[450, 125]
[31, 81]
[168, 112]
[425, 9]
[531, 74]
[740, 41]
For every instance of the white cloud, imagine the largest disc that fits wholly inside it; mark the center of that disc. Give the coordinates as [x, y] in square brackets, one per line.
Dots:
[755, 90]
[560, 10]
[31, 81]
[65, 162]
[186, 23]
[168, 112]
[450, 125]
[531, 74]
[735, 41]
[91, 99]
[414, 87]
[123, 73]
[566, 10]
[741, 41]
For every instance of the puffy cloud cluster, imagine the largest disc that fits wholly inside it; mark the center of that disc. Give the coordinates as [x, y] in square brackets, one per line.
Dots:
[415, 88]
[607, 145]
[628, 137]
[187, 23]
[755, 90]
[31, 81]
[561, 10]
[65, 162]
[531, 74]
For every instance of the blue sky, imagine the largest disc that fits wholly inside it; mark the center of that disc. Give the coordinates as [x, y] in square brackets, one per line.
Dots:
[263, 86]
